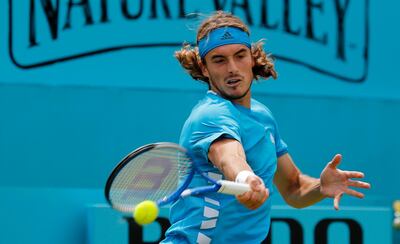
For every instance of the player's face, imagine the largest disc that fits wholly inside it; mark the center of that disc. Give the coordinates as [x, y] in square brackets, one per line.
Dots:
[229, 69]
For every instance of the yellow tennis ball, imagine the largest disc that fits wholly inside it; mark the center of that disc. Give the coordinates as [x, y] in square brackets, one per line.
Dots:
[145, 212]
[396, 206]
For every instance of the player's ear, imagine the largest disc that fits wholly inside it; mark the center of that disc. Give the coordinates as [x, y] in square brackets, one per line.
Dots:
[204, 70]
[253, 59]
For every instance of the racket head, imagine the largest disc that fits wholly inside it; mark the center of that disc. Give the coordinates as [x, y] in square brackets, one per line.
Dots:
[158, 172]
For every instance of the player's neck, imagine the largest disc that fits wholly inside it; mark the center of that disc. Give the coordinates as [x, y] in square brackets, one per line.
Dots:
[244, 101]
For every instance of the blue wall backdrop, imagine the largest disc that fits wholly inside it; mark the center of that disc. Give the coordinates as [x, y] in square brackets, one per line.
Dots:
[82, 83]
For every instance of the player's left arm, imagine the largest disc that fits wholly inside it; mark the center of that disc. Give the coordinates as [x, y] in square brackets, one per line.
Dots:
[300, 190]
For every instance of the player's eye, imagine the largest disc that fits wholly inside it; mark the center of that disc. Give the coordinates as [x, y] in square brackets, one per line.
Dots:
[241, 55]
[218, 60]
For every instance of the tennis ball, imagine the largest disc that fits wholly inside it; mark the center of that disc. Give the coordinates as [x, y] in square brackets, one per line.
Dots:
[396, 206]
[145, 212]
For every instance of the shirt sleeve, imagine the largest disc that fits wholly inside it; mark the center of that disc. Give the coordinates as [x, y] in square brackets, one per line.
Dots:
[211, 126]
[280, 145]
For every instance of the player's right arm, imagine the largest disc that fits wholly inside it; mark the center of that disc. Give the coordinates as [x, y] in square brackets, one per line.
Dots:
[229, 157]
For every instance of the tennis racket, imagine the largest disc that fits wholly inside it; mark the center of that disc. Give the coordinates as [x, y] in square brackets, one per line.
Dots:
[160, 172]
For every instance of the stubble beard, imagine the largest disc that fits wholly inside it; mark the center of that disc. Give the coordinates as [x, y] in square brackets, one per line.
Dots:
[233, 97]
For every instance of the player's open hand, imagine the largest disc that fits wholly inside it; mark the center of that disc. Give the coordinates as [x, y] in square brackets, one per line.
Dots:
[258, 194]
[336, 182]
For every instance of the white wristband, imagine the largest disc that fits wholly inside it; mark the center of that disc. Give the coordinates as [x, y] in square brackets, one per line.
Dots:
[241, 177]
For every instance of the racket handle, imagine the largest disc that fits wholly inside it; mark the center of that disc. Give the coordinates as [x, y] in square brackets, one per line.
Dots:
[233, 188]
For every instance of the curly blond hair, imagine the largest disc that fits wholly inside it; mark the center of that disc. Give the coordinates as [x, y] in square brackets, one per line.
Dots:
[190, 59]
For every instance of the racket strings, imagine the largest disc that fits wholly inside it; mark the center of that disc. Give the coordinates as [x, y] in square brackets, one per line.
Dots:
[151, 175]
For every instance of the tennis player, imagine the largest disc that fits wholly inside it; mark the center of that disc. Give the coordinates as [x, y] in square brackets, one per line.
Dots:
[236, 138]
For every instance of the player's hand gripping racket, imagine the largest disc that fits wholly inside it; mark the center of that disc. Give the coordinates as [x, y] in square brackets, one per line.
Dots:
[160, 173]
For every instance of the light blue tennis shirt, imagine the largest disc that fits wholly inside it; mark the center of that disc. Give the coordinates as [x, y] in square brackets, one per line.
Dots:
[219, 218]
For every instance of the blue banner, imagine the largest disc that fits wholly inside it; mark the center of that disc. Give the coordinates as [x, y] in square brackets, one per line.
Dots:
[320, 48]
[312, 225]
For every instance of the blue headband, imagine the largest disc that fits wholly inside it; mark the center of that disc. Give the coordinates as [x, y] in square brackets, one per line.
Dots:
[223, 36]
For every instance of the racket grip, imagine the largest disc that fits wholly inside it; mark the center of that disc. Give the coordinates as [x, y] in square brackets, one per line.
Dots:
[233, 188]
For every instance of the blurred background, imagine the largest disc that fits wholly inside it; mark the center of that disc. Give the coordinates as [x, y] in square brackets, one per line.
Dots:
[82, 83]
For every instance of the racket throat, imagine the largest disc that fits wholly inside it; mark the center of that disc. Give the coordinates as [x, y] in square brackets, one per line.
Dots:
[200, 190]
